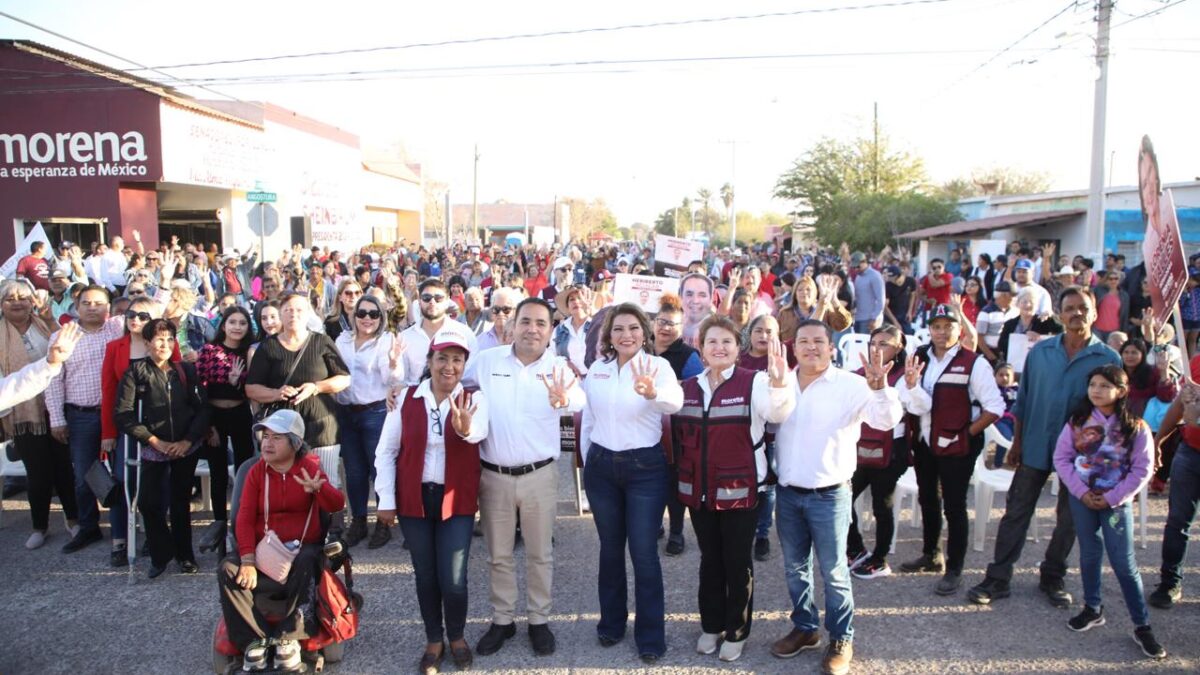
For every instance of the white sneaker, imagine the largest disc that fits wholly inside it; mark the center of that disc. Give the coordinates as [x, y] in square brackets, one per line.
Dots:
[255, 657]
[731, 651]
[707, 644]
[35, 540]
[287, 655]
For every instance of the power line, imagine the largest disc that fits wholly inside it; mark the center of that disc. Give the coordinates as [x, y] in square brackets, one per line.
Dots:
[560, 33]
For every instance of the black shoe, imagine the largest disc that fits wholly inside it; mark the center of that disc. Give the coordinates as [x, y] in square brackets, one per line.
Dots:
[650, 659]
[926, 563]
[1144, 637]
[430, 662]
[494, 638]
[606, 641]
[380, 537]
[477, 529]
[675, 544]
[762, 549]
[213, 537]
[1056, 593]
[188, 567]
[1087, 619]
[988, 590]
[155, 572]
[542, 639]
[1165, 596]
[462, 657]
[118, 557]
[82, 540]
[949, 583]
[356, 532]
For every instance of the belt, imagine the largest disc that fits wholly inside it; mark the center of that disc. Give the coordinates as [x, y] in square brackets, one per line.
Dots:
[813, 491]
[515, 470]
[360, 407]
[82, 408]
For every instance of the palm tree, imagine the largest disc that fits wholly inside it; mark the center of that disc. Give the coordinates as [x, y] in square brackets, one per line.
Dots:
[686, 207]
[705, 195]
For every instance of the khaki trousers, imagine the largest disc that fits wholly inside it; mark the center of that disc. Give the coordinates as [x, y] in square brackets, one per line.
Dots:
[534, 498]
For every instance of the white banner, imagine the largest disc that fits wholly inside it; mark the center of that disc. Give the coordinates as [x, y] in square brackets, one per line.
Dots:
[643, 291]
[672, 255]
[38, 233]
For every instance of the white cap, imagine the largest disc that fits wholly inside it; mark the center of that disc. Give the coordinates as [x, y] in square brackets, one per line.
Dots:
[446, 339]
[560, 262]
[1066, 269]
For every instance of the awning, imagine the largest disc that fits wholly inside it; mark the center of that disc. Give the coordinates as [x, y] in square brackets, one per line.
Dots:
[1004, 222]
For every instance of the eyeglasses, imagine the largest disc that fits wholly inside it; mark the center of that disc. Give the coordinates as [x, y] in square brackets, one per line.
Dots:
[567, 268]
[368, 314]
[436, 414]
[430, 297]
[666, 323]
[352, 294]
[140, 316]
[502, 310]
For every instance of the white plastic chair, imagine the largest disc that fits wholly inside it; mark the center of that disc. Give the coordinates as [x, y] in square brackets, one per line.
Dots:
[988, 483]
[8, 468]
[906, 487]
[866, 515]
[1143, 502]
[851, 345]
[920, 336]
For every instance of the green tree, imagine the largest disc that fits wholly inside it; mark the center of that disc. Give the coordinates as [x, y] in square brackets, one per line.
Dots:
[705, 196]
[998, 180]
[860, 166]
[665, 223]
[875, 220]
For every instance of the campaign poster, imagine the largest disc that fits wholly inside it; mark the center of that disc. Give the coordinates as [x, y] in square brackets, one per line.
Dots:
[643, 291]
[1162, 249]
[672, 255]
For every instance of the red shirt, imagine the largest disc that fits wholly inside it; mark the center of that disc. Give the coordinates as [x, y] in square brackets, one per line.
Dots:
[939, 295]
[290, 504]
[36, 270]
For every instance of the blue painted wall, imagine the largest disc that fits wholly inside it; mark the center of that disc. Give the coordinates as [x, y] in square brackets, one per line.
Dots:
[1127, 225]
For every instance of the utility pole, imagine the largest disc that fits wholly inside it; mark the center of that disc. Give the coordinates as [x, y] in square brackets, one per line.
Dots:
[1095, 210]
[675, 221]
[475, 194]
[447, 230]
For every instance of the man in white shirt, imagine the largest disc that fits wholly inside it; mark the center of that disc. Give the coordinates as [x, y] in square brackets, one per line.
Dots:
[417, 337]
[816, 452]
[112, 266]
[1023, 278]
[519, 478]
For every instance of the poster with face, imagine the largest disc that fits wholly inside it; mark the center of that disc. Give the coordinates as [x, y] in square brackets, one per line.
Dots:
[1162, 249]
[643, 291]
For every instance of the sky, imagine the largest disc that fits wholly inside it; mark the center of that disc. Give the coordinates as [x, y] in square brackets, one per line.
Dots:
[644, 116]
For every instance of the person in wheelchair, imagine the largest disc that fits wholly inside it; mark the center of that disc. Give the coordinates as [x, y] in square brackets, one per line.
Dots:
[283, 497]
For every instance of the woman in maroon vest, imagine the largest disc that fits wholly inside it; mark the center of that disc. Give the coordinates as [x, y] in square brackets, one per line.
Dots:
[427, 470]
[883, 457]
[722, 463]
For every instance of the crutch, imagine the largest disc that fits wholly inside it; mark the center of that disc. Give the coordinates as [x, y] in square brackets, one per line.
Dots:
[131, 502]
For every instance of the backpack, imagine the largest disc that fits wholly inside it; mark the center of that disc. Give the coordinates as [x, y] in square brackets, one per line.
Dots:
[337, 607]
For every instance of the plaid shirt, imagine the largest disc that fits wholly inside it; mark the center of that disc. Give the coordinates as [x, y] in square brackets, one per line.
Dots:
[79, 381]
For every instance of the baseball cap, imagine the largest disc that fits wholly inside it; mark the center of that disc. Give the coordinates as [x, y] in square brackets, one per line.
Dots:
[446, 339]
[58, 274]
[288, 422]
[893, 271]
[943, 312]
[857, 257]
[561, 262]
[603, 275]
[1003, 287]
[1024, 265]
[66, 244]
[1066, 269]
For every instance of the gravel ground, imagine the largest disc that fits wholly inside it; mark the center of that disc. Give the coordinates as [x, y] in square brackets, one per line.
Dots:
[74, 614]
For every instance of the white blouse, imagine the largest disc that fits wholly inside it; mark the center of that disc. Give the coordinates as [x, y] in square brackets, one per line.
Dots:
[371, 371]
[616, 416]
[434, 470]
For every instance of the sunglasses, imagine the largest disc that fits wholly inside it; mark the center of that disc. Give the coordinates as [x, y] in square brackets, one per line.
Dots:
[429, 297]
[352, 294]
[368, 314]
[140, 316]
[502, 310]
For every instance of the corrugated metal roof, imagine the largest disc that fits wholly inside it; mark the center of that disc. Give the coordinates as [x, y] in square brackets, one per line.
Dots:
[993, 223]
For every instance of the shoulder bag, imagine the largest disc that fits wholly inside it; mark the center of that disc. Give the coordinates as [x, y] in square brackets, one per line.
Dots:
[273, 557]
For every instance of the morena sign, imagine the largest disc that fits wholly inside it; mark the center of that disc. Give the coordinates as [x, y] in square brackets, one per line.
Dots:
[78, 147]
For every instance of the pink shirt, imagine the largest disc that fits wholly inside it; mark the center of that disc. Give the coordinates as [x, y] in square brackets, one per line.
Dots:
[1108, 313]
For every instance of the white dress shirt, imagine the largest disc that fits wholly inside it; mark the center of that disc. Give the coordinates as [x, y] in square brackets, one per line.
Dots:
[528, 431]
[371, 372]
[817, 446]
[417, 343]
[577, 345]
[767, 405]
[112, 268]
[26, 383]
[981, 385]
[434, 470]
[619, 418]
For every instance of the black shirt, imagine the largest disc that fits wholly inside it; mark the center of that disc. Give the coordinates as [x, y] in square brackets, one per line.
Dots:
[319, 360]
[899, 296]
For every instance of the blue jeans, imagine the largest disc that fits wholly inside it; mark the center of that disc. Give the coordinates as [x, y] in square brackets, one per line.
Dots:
[359, 435]
[820, 522]
[862, 326]
[1181, 512]
[766, 513]
[627, 492]
[440, 551]
[1116, 524]
[83, 429]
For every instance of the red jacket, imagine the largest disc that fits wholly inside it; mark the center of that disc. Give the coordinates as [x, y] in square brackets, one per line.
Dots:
[116, 362]
[290, 504]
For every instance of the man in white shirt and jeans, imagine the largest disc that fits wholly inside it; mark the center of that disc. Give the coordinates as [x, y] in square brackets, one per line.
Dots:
[519, 478]
[817, 453]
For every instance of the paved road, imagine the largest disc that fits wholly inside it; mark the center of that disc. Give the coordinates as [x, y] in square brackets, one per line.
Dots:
[73, 614]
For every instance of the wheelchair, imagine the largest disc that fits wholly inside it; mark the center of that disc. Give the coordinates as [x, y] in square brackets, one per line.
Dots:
[316, 649]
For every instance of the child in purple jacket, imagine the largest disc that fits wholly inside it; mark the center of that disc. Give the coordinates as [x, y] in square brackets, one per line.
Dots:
[1104, 457]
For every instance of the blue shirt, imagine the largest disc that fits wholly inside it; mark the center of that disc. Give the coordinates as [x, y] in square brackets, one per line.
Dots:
[869, 295]
[1051, 388]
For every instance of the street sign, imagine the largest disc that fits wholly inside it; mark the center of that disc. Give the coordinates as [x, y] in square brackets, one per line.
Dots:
[260, 197]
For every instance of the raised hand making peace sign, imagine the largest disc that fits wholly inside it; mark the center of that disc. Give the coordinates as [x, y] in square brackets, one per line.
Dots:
[557, 387]
[311, 484]
[643, 377]
[875, 370]
[461, 412]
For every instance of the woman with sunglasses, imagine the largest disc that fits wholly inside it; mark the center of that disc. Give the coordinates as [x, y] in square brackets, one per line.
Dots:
[504, 303]
[118, 356]
[341, 314]
[222, 369]
[375, 357]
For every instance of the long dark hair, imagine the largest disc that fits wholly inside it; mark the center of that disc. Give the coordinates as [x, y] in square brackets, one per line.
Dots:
[1117, 377]
[1142, 375]
[251, 335]
[901, 354]
[607, 350]
[980, 298]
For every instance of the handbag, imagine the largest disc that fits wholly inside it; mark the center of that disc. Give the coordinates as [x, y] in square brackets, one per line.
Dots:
[101, 482]
[265, 410]
[272, 556]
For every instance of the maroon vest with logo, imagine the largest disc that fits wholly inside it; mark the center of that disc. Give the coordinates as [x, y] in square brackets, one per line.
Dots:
[462, 464]
[717, 467]
[875, 447]
[950, 417]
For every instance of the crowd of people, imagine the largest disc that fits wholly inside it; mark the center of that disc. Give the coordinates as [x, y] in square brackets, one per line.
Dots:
[438, 381]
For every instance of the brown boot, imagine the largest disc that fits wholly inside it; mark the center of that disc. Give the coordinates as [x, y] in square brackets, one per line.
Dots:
[837, 657]
[795, 642]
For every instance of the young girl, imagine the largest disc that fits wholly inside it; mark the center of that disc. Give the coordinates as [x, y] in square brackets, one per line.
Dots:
[1103, 457]
[1006, 382]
